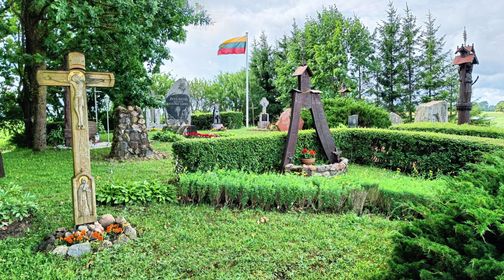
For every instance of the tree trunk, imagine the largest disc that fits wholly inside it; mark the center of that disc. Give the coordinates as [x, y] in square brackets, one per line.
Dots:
[2, 170]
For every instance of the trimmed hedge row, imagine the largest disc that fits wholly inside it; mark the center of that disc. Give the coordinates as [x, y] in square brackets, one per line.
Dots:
[291, 192]
[411, 152]
[451, 128]
[231, 120]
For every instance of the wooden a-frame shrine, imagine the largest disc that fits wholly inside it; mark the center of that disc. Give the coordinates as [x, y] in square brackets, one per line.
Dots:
[305, 97]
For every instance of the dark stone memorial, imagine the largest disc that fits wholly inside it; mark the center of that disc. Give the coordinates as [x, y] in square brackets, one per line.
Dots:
[178, 106]
[217, 122]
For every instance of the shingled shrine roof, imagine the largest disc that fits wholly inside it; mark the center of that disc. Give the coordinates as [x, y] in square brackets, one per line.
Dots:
[467, 55]
[301, 69]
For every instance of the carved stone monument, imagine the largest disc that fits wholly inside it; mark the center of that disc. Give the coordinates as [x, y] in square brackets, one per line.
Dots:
[153, 118]
[178, 106]
[216, 118]
[434, 111]
[395, 118]
[263, 117]
[353, 121]
[83, 184]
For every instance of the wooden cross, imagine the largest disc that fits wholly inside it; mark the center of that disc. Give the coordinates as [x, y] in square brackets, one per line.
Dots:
[83, 184]
[305, 97]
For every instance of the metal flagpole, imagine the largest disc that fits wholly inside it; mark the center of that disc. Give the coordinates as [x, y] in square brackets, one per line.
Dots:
[247, 82]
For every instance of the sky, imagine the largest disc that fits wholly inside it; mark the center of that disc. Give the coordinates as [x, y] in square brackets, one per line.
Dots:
[484, 21]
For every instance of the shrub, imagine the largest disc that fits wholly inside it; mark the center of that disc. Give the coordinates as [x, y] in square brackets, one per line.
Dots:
[338, 109]
[291, 192]
[15, 204]
[136, 192]
[462, 235]
[167, 136]
[204, 121]
[411, 152]
[56, 137]
[451, 128]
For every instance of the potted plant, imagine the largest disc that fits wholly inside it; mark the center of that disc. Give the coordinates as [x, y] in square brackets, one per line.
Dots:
[308, 156]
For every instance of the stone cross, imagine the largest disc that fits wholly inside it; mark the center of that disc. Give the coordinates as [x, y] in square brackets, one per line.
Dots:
[264, 103]
[83, 184]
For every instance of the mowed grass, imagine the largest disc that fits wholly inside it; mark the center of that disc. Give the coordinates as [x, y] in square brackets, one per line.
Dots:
[194, 241]
[497, 118]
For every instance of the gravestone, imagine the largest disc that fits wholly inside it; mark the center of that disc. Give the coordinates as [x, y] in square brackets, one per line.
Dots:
[2, 170]
[434, 111]
[153, 118]
[216, 118]
[178, 106]
[77, 79]
[353, 121]
[395, 118]
[284, 120]
[263, 117]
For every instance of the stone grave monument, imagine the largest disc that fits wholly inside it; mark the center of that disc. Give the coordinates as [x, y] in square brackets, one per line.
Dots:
[130, 135]
[83, 184]
[434, 111]
[153, 118]
[395, 118]
[178, 107]
[216, 118]
[353, 121]
[263, 117]
[284, 120]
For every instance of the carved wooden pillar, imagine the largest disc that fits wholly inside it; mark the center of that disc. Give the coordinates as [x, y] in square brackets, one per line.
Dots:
[465, 60]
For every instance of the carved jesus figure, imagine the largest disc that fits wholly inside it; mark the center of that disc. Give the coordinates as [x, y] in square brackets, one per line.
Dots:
[84, 197]
[77, 81]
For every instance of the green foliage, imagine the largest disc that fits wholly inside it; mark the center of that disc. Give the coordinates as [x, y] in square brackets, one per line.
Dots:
[56, 137]
[142, 192]
[451, 128]
[500, 106]
[167, 136]
[411, 152]
[292, 192]
[338, 109]
[15, 204]
[462, 235]
[204, 121]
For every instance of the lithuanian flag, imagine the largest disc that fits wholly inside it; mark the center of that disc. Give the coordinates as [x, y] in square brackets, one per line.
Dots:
[236, 45]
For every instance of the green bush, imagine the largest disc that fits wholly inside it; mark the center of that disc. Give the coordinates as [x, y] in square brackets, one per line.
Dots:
[338, 109]
[167, 136]
[462, 235]
[204, 121]
[15, 204]
[411, 152]
[291, 192]
[451, 128]
[136, 192]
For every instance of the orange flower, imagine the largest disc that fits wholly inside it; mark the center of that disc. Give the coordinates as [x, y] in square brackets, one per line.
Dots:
[97, 235]
[69, 239]
[109, 228]
[118, 230]
[312, 152]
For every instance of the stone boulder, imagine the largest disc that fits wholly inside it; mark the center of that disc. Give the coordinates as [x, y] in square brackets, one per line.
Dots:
[130, 135]
[434, 111]
[395, 118]
[284, 120]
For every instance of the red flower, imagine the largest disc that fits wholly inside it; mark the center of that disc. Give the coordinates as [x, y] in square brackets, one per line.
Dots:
[304, 151]
[312, 152]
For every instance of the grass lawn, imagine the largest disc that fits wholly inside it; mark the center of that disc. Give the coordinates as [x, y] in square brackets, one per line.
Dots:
[195, 241]
[497, 118]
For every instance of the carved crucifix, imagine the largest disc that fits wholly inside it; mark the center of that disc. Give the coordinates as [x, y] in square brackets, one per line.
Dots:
[305, 97]
[83, 184]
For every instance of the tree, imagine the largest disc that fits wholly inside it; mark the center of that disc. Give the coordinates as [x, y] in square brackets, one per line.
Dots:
[409, 37]
[160, 85]
[499, 107]
[262, 66]
[120, 36]
[390, 49]
[360, 49]
[432, 61]
[201, 94]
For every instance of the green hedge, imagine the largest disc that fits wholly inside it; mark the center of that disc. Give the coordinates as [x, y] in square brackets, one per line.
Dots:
[408, 151]
[231, 120]
[292, 192]
[338, 109]
[451, 128]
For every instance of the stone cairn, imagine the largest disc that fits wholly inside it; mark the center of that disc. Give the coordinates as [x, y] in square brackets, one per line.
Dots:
[84, 239]
[326, 170]
[130, 135]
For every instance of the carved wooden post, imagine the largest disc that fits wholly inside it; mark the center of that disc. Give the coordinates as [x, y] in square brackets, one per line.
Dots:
[305, 97]
[76, 78]
[465, 60]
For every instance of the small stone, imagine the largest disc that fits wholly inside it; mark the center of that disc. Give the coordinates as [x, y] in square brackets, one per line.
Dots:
[130, 232]
[61, 229]
[326, 174]
[130, 108]
[106, 244]
[120, 220]
[83, 228]
[48, 244]
[60, 250]
[67, 234]
[106, 220]
[121, 239]
[78, 250]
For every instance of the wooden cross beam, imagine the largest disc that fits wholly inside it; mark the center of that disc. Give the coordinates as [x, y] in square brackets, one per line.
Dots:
[83, 184]
[305, 97]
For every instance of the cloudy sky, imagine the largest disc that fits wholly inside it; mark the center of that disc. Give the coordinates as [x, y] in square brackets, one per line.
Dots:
[484, 21]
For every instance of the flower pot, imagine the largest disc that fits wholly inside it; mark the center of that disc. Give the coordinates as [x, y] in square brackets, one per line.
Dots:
[308, 161]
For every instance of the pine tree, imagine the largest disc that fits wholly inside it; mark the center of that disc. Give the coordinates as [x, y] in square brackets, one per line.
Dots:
[391, 54]
[360, 49]
[432, 61]
[409, 37]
